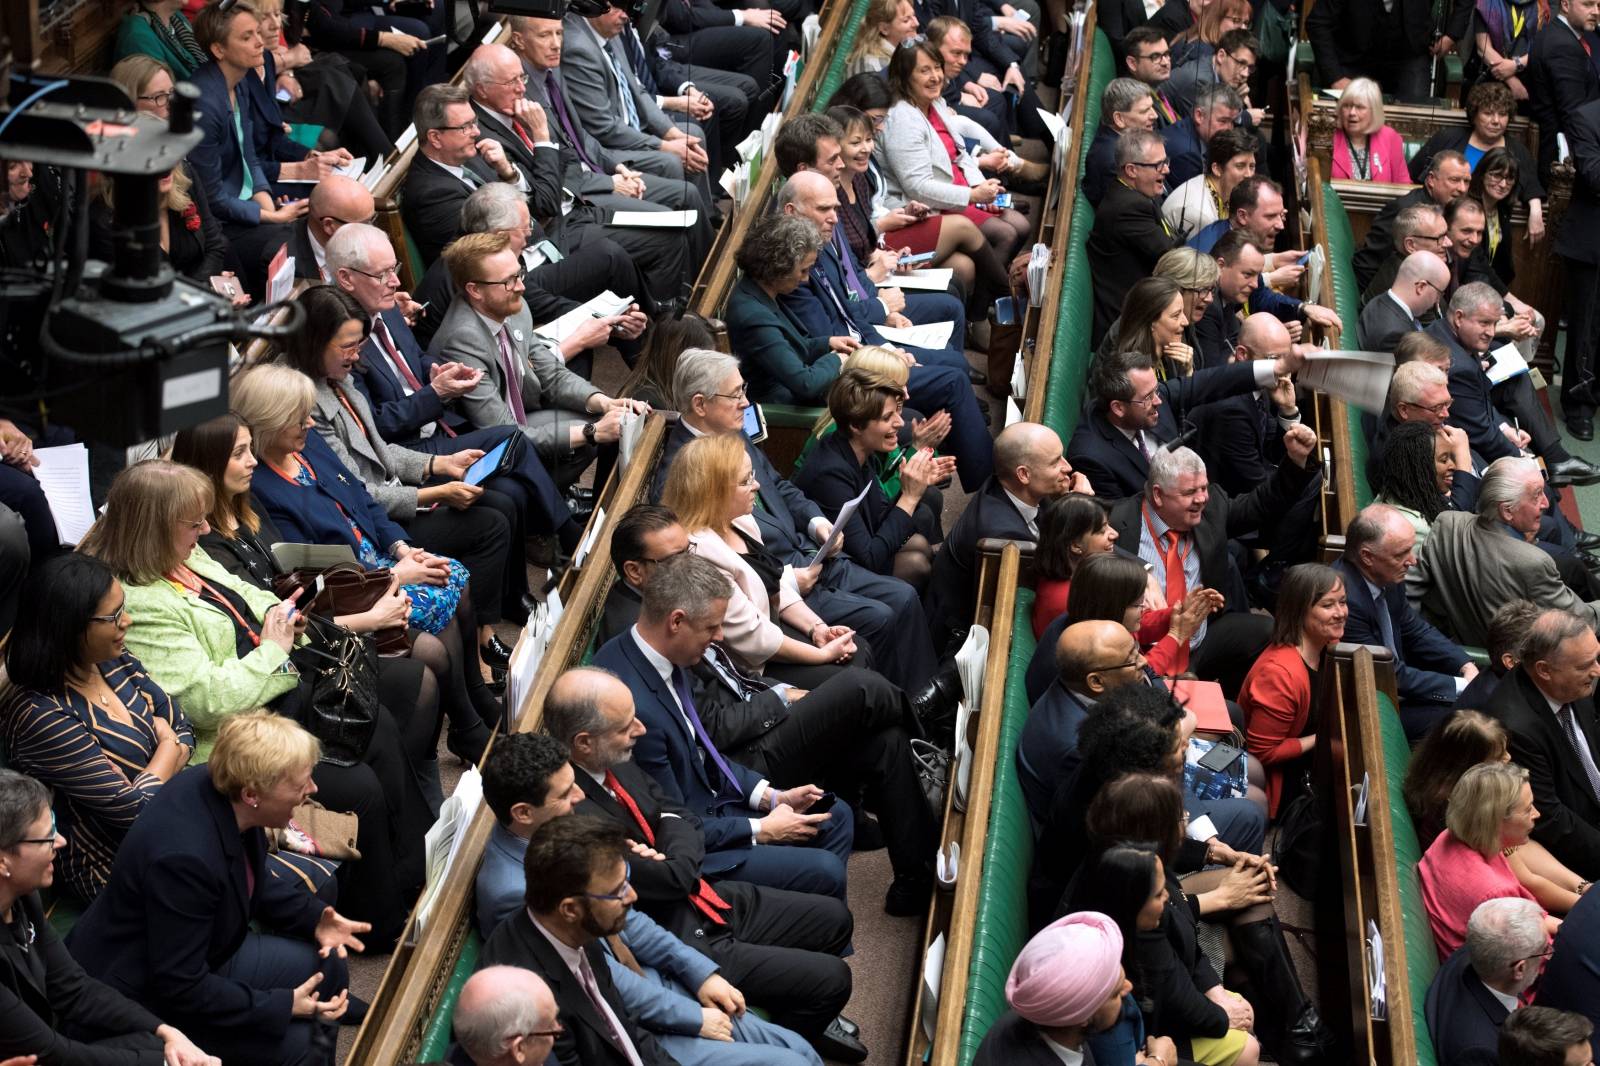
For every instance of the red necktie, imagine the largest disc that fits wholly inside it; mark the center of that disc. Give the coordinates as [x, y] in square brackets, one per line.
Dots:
[386, 342]
[1586, 49]
[1177, 588]
[522, 133]
[704, 898]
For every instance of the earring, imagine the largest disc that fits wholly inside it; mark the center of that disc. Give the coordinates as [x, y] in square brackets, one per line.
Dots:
[255, 803]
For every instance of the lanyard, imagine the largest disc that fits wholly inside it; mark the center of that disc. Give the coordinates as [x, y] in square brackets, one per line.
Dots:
[200, 588]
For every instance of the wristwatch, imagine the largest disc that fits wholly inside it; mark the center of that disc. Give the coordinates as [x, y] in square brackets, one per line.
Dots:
[588, 433]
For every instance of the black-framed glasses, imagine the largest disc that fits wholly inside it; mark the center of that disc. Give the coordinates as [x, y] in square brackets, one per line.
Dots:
[510, 283]
[621, 893]
[383, 275]
[470, 124]
[114, 617]
[1545, 954]
[349, 222]
[739, 394]
[1159, 164]
[687, 549]
[51, 839]
[1249, 65]
[551, 1033]
[159, 99]
[1120, 666]
[1156, 56]
[1435, 238]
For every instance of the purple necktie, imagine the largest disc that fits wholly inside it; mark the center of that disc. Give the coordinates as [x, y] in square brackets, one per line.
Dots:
[557, 101]
[859, 287]
[513, 378]
[680, 683]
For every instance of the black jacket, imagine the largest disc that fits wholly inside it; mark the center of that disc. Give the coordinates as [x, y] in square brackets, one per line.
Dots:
[878, 529]
[1575, 236]
[1464, 1017]
[989, 513]
[430, 203]
[1344, 33]
[1560, 79]
[1127, 239]
[1380, 237]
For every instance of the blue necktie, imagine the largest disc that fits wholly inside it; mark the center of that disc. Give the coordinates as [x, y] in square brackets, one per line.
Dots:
[634, 50]
[623, 87]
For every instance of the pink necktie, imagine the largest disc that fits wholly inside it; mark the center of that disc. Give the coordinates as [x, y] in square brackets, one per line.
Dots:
[591, 988]
[513, 378]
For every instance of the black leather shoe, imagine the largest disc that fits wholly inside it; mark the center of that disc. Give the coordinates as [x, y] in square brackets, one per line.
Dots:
[935, 703]
[1574, 471]
[869, 834]
[582, 509]
[468, 744]
[495, 653]
[1587, 541]
[977, 377]
[847, 1025]
[580, 492]
[838, 1045]
[1581, 426]
[908, 896]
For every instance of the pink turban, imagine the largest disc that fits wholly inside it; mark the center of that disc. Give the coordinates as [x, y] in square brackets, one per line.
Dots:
[1067, 971]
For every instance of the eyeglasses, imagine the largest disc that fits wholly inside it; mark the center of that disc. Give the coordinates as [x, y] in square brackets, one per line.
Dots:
[348, 222]
[622, 893]
[1545, 954]
[741, 393]
[1246, 64]
[670, 555]
[510, 283]
[1145, 401]
[159, 99]
[114, 617]
[748, 481]
[1438, 410]
[1434, 287]
[352, 348]
[1159, 164]
[520, 79]
[1120, 666]
[51, 839]
[1155, 56]
[1435, 238]
[551, 1033]
[1197, 293]
[383, 275]
[470, 124]
[195, 526]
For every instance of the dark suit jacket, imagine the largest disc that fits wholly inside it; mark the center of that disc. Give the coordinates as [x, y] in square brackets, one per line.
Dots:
[1047, 750]
[878, 529]
[216, 160]
[197, 254]
[1380, 237]
[305, 258]
[1127, 239]
[1560, 79]
[1184, 151]
[1225, 517]
[1569, 815]
[1571, 979]
[1471, 405]
[572, 172]
[1575, 236]
[399, 417]
[1383, 323]
[1100, 169]
[323, 513]
[1104, 455]
[782, 363]
[1240, 441]
[273, 146]
[989, 513]
[1463, 1016]
[430, 203]
[1455, 138]
[1426, 661]
[1344, 33]
[1013, 1041]
[585, 1039]
[177, 909]
[44, 993]
[540, 167]
[670, 753]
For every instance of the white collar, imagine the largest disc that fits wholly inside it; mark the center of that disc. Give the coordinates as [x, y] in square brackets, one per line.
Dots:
[1510, 1003]
[663, 665]
[1028, 511]
[1062, 1052]
[569, 954]
[1402, 305]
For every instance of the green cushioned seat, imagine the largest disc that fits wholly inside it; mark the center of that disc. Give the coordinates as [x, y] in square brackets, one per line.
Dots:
[1000, 928]
[1341, 249]
[1070, 349]
[1102, 68]
[436, 1036]
[834, 76]
[791, 416]
[1422, 958]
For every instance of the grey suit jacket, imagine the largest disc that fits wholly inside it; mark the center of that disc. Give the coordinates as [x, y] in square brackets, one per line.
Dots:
[1467, 572]
[574, 175]
[390, 474]
[548, 388]
[1383, 323]
[592, 89]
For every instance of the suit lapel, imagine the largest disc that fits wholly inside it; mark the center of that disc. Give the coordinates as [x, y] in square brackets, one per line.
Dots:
[1557, 734]
[568, 991]
[669, 703]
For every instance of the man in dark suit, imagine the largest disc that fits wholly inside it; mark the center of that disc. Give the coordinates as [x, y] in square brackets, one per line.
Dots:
[491, 1015]
[1560, 75]
[1448, 177]
[1391, 43]
[1241, 436]
[335, 201]
[1419, 283]
[709, 393]
[1430, 670]
[1571, 979]
[1181, 525]
[1030, 467]
[754, 832]
[752, 41]
[578, 893]
[1478, 986]
[1090, 660]
[1581, 262]
[719, 100]
[1216, 108]
[1547, 707]
[1131, 413]
[1129, 234]
[1125, 104]
[1421, 227]
[779, 947]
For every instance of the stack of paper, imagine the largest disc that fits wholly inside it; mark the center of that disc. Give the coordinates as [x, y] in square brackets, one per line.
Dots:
[407, 135]
[1019, 377]
[970, 662]
[1013, 412]
[371, 178]
[63, 474]
[932, 974]
[735, 181]
[628, 444]
[1358, 378]
[947, 864]
[605, 305]
[1507, 364]
[926, 335]
[655, 219]
[596, 522]
[769, 130]
[810, 31]
[791, 77]
[934, 279]
[354, 168]
[519, 675]
[1038, 272]
[443, 842]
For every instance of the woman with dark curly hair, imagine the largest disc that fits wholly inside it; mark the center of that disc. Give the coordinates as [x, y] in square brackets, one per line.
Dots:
[1426, 471]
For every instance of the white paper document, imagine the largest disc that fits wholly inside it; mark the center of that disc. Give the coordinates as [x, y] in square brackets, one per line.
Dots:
[63, 474]
[597, 521]
[371, 178]
[408, 135]
[947, 864]
[605, 305]
[353, 169]
[442, 843]
[836, 538]
[655, 219]
[631, 429]
[1357, 378]
[932, 974]
[1507, 363]
[1019, 378]
[1052, 122]
[1038, 273]
[934, 279]
[1013, 412]
[926, 335]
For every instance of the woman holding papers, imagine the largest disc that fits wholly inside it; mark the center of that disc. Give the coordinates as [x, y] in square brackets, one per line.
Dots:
[712, 488]
[887, 536]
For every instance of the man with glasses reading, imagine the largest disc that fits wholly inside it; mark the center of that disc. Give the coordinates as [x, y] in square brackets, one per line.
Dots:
[1129, 235]
[524, 381]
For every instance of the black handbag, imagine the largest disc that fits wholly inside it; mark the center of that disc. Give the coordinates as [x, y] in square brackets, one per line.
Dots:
[338, 695]
[1301, 843]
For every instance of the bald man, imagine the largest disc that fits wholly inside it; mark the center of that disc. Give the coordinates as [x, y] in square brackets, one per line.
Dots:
[1418, 287]
[1241, 437]
[506, 1016]
[1430, 670]
[1029, 468]
[335, 201]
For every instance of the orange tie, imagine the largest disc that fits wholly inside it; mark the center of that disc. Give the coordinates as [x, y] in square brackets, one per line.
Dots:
[1177, 587]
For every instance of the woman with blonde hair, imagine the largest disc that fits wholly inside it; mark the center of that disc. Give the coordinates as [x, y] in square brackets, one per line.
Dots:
[711, 487]
[886, 25]
[221, 647]
[1491, 809]
[1363, 147]
[1200, 41]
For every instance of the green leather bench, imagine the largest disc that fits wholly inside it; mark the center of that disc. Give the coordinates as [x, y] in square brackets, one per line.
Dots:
[1340, 250]
[436, 1037]
[1422, 959]
[1000, 928]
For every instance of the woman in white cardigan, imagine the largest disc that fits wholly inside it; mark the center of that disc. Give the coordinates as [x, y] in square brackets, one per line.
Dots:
[711, 487]
[925, 157]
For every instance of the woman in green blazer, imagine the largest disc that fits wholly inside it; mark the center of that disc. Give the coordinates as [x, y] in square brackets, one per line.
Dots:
[157, 28]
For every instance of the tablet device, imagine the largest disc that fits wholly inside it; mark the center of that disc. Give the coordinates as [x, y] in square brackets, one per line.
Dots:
[755, 424]
[488, 465]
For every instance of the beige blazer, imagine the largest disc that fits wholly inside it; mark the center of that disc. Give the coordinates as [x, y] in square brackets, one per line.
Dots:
[748, 629]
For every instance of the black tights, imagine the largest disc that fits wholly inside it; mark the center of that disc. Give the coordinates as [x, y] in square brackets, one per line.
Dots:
[467, 701]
